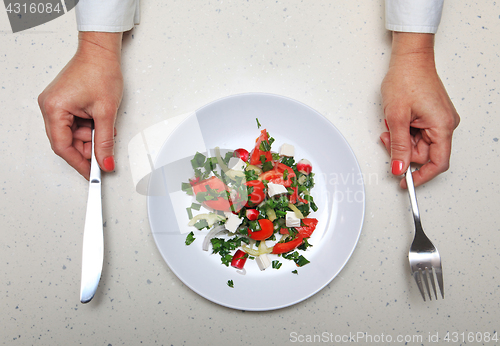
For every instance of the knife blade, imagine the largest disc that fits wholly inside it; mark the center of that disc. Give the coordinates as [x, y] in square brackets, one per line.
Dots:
[93, 242]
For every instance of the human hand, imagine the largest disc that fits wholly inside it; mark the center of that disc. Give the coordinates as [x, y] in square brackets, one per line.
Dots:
[89, 88]
[419, 114]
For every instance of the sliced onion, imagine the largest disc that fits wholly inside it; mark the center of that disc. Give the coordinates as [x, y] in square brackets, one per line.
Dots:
[257, 170]
[263, 249]
[297, 212]
[213, 232]
[211, 218]
[250, 250]
[271, 214]
[233, 174]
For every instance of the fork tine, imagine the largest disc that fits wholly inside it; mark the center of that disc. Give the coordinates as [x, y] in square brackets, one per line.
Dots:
[439, 276]
[433, 283]
[426, 281]
[418, 278]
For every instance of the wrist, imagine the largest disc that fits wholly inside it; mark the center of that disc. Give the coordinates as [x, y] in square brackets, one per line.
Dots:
[413, 48]
[100, 45]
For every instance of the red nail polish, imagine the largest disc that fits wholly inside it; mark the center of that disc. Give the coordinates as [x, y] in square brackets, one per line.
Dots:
[397, 167]
[109, 163]
[386, 125]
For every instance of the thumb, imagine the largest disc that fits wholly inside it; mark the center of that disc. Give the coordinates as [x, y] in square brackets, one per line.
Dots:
[105, 142]
[400, 146]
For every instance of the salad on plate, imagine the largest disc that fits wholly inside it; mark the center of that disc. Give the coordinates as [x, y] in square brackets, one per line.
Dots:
[256, 204]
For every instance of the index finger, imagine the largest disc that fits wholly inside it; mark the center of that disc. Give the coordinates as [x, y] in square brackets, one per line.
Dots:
[439, 162]
[62, 142]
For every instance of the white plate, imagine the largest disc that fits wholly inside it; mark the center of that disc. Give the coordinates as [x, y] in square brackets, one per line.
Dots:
[339, 193]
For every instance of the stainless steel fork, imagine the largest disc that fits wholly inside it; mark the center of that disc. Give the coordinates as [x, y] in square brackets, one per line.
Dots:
[425, 261]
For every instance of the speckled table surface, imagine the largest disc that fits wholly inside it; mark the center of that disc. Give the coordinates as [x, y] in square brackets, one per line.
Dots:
[329, 55]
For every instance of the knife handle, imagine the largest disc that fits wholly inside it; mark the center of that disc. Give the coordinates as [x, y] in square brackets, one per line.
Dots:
[95, 171]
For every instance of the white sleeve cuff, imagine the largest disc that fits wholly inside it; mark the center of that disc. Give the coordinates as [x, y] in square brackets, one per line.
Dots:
[107, 15]
[421, 16]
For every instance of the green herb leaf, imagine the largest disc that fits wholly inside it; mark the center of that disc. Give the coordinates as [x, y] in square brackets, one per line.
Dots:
[190, 238]
[187, 188]
[258, 124]
[301, 261]
[305, 244]
[267, 166]
[226, 259]
[289, 161]
[265, 146]
[210, 164]
[195, 206]
[198, 160]
[276, 264]
[251, 175]
[230, 283]
[295, 272]
[201, 224]
[190, 213]
[224, 247]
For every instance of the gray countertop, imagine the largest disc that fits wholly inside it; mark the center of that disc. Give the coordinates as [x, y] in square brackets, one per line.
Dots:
[331, 56]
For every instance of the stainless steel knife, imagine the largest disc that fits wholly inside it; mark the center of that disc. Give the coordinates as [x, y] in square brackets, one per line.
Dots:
[93, 242]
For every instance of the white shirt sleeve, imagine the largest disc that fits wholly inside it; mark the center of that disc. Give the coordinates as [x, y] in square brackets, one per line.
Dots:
[421, 16]
[107, 15]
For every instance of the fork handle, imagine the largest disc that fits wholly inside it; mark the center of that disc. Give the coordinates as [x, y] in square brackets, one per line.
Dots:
[413, 197]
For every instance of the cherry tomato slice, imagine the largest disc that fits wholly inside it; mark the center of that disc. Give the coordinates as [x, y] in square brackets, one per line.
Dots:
[214, 183]
[243, 154]
[256, 153]
[220, 203]
[266, 230]
[276, 175]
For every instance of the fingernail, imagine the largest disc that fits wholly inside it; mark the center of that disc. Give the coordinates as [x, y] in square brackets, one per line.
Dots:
[109, 163]
[386, 125]
[397, 167]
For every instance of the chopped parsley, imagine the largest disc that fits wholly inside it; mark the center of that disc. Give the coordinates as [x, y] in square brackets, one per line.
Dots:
[187, 188]
[224, 247]
[195, 206]
[230, 283]
[198, 160]
[265, 146]
[297, 258]
[190, 238]
[201, 224]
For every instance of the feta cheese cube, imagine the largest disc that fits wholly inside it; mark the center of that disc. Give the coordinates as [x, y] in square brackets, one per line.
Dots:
[237, 164]
[275, 189]
[287, 150]
[263, 261]
[291, 220]
[232, 222]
